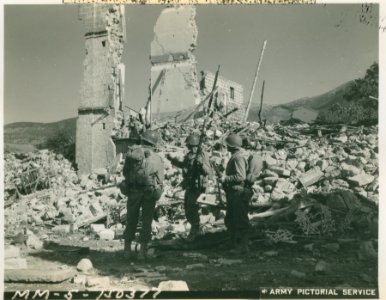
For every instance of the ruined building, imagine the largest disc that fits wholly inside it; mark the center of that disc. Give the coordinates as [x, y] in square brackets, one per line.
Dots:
[174, 81]
[230, 94]
[102, 91]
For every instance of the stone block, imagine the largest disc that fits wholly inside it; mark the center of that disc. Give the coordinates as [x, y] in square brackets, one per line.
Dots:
[65, 228]
[96, 208]
[322, 164]
[349, 170]
[80, 279]
[270, 180]
[280, 171]
[173, 285]
[11, 251]
[106, 234]
[283, 185]
[276, 195]
[38, 275]
[361, 179]
[96, 228]
[15, 263]
[269, 161]
[301, 166]
[98, 281]
[33, 242]
[311, 177]
[268, 188]
[84, 265]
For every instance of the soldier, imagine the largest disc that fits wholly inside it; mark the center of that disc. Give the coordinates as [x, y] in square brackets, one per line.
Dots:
[144, 175]
[195, 178]
[236, 219]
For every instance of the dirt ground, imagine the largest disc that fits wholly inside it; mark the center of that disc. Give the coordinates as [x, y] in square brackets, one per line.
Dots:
[216, 269]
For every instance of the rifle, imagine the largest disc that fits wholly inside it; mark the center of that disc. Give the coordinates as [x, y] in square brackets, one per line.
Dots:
[218, 174]
[203, 130]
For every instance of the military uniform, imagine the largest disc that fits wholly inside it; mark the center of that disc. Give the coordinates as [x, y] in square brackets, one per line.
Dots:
[236, 219]
[144, 175]
[194, 182]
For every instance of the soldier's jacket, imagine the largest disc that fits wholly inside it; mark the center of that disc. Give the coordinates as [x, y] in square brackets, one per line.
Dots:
[194, 176]
[236, 170]
[146, 170]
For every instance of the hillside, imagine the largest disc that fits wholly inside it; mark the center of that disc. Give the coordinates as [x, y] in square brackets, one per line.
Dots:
[30, 133]
[318, 104]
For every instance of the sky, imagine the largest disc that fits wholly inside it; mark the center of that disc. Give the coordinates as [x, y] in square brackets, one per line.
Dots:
[311, 49]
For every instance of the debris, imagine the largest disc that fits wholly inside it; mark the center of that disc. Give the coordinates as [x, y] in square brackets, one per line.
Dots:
[173, 285]
[15, 263]
[33, 242]
[80, 279]
[106, 234]
[321, 267]
[333, 247]
[298, 274]
[84, 265]
[98, 281]
[11, 251]
[366, 250]
[195, 266]
[271, 253]
[361, 179]
[36, 275]
[96, 228]
[311, 177]
[228, 262]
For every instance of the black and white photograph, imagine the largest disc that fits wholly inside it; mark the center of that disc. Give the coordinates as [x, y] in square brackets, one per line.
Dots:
[191, 151]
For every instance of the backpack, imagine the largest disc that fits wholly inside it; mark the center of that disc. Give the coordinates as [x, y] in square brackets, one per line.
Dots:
[255, 167]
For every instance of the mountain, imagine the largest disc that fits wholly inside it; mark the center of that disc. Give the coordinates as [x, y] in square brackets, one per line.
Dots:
[29, 134]
[308, 106]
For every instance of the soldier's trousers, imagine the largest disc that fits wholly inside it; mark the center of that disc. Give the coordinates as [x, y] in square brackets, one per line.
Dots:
[139, 199]
[191, 207]
[236, 218]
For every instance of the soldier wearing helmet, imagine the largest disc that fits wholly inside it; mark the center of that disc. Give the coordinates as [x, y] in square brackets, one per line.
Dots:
[236, 219]
[196, 170]
[144, 174]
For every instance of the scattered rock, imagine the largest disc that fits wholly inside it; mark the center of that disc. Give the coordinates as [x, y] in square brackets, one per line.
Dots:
[333, 247]
[15, 263]
[80, 279]
[11, 251]
[271, 253]
[173, 285]
[36, 275]
[321, 267]
[84, 265]
[98, 281]
[298, 274]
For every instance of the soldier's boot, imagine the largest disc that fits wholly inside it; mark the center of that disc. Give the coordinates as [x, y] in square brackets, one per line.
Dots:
[194, 232]
[142, 255]
[127, 253]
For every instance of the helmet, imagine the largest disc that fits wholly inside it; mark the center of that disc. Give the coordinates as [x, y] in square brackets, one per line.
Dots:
[192, 140]
[234, 141]
[150, 137]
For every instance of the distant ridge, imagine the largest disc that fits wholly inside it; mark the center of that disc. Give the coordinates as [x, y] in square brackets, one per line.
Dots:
[30, 134]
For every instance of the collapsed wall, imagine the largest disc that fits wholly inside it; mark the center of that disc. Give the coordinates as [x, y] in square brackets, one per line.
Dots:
[174, 82]
[100, 110]
[230, 95]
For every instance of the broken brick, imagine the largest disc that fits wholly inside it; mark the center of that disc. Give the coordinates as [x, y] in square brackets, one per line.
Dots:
[311, 177]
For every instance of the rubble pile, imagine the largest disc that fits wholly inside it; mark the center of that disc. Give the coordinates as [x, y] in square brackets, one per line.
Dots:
[300, 159]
